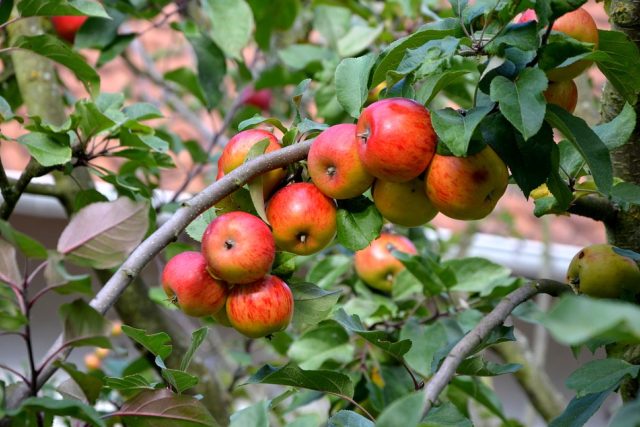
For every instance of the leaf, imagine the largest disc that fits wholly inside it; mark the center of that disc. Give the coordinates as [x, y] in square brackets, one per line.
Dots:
[58, 51]
[29, 247]
[62, 281]
[179, 380]
[586, 142]
[359, 223]
[446, 415]
[579, 410]
[46, 149]
[479, 367]
[556, 184]
[574, 320]
[157, 344]
[522, 102]
[351, 78]
[378, 338]
[616, 58]
[256, 189]
[455, 128]
[327, 341]
[84, 326]
[90, 385]
[255, 415]
[299, 56]
[188, 80]
[426, 341]
[11, 317]
[101, 235]
[258, 120]
[63, 408]
[91, 121]
[231, 24]
[9, 272]
[627, 416]
[521, 36]
[345, 418]
[617, 132]
[321, 380]
[61, 8]
[212, 67]
[426, 270]
[311, 304]
[162, 408]
[196, 229]
[197, 338]
[326, 273]
[600, 375]
[357, 39]
[479, 392]
[626, 192]
[406, 412]
[478, 275]
[128, 383]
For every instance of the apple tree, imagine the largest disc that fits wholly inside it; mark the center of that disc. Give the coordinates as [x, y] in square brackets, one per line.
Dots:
[304, 273]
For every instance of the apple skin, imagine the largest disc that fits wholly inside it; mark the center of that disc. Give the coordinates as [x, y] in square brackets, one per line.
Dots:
[563, 94]
[258, 98]
[67, 26]
[92, 361]
[260, 308]
[375, 264]
[303, 220]
[467, 188]
[600, 272]
[238, 247]
[578, 24]
[396, 139]
[403, 203]
[185, 278]
[334, 164]
[236, 150]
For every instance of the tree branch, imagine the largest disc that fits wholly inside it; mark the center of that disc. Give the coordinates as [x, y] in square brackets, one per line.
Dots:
[495, 318]
[11, 196]
[595, 207]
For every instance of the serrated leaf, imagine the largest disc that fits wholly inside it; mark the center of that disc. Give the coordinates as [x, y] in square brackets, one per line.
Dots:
[455, 128]
[46, 149]
[311, 303]
[106, 242]
[9, 272]
[358, 223]
[179, 380]
[351, 78]
[158, 344]
[197, 338]
[599, 375]
[321, 380]
[84, 326]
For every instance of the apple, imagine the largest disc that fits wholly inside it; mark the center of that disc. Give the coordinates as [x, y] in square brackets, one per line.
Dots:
[467, 188]
[599, 271]
[236, 150]
[238, 247]
[396, 140]
[102, 352]
[67, 26]
[377, 266]
[334, 164]
[116, 329]
[92, 361]
[303, 220]
[578, 24]
[185, 280]
[258, 98]
[260, 308]
[563, 94]
[403, 203]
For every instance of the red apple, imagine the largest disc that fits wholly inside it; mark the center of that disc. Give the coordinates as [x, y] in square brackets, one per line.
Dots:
[563, 94]
[258, 98]
[403, 203]
[260, 308]
[186, 280]
[396, 140]
[238, 247]
[377, 266]
[67, 26]
[303, 219]
[467, 187]
[334, 164]
[236, 150]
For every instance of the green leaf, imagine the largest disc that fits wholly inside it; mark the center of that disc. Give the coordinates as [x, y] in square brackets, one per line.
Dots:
[359, 223]
[478, 275]
[84, 326]
[267, 21]
[98, 33]
[480, 392]
[6, 113]
[321, 380]
[91, 121]
[64, 408]
[179, 380]
[586, 142]
[61, 8]
[626, 192]
[406, 412]
[434, 279]
[446, 415]
[90, 385]
[47, 149]
[357, 39]
[378, 338]
[311, 303]
[157, 344]
[11, 317]
[58, 51]
[574, 320]
[617, 132]
[328, 271]
[332, 22]
[455, 128]
[616, 58]
[521, 101]
[255, 415]
[196, 229]
[258, 120]
[520, 36]
[426, 341]
[627, 416]
[5, 13]
[188, 80]
[9, 272]
[231, 24]
[299, 56]
[579, 410]
[479, 367]
[128, 383]
[345, 418]
[197, 338]
[63, 282]
[434, 83]
[327, 341]
[600, 375]
[351, 78]
[556, 183]
[212, 67]
[29, 247]
[256, 189]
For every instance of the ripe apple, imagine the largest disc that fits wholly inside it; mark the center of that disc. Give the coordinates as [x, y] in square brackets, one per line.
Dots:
[116, 329]
[578, 24]
[375, 264]
[396, 140]
[102, 353]
[467, 187]
[403, 203]
[238, 247]
[334, 164]
[186, 280]
[92, 362]
[258, 98]
[67, 26]
[260, 308]
[236, 150]
[598, 271]
[564, 94]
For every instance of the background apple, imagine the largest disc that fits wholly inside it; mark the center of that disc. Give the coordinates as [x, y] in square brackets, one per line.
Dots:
[467, 187]
[260, 308]
[403, 203]
[67, 26]
[258, 98]
[238, 247]
[334, 164]
[185, 278]
[303, 219]
[396, 140]
[563, 94]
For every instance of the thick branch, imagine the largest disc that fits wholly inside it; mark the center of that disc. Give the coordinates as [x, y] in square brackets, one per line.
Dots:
[12, 195]
[495, 318]
[595, 207]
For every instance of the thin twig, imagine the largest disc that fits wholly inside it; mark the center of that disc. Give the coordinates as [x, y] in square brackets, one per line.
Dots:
[356, 404]
[16, 373]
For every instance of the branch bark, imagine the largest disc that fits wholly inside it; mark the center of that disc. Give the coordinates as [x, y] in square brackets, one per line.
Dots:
[495, 318]
[595, 207]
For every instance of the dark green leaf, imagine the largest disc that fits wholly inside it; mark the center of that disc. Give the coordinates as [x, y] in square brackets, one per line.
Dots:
[627, 416]
[61, 8]
[455, 128]
[179, 380]
[556, 183]
[89, 384]
[426, 270]
[91, 120]
[351, 78]
[626, 192]
[321, 380]
[157, 344]
[580, 410]
[67, 407]
[359, 223]
[406, 412]
[616, 58]
[345, 418]
[600, 375]
[128, 383]
[29, 247]
[98, 33]
[312, 304]
[520, 36]
[197, 338]
[617, 132]
[446, 415]
[480, 392]
[188, 80]
[84, 326]
[328, 271]
[479, 367]
[5, 13]
[46, 149]
[211, 67]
